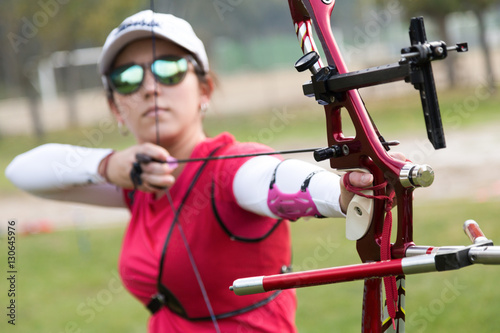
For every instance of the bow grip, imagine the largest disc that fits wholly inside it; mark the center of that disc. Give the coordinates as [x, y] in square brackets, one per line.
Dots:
[359, 215]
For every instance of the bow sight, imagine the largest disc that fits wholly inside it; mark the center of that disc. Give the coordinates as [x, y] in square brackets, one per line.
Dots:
[328, 86]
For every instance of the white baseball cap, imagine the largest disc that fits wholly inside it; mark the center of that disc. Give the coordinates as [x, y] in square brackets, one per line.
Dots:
[144, 24]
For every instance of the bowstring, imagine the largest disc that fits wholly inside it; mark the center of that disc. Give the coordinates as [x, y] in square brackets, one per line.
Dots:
[155, 82]
[169, 197]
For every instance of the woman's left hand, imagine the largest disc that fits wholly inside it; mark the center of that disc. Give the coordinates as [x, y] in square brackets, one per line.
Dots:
[359, 179]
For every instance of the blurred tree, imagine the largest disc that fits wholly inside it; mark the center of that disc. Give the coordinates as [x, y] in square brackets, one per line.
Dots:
[480, 8]
[34, 30]
[20, 47]
[237, 20]
[82, 24]
[437, 11]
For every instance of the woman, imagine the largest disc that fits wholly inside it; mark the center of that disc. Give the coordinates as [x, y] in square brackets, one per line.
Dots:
[195, 227]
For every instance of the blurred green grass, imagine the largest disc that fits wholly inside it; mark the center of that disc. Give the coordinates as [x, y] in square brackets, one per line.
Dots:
[68, 279]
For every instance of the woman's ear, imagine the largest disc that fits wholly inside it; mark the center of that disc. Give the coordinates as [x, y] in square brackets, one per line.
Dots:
[114, 109]
[120, 119]
[207, 87]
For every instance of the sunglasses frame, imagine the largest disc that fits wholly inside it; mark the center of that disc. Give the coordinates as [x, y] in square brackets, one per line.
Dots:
[190, 59]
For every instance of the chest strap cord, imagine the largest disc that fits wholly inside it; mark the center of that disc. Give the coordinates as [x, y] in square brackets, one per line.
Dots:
[160, 299]
[195, 268]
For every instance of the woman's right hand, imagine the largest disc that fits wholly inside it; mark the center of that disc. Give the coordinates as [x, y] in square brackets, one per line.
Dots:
[155, 176]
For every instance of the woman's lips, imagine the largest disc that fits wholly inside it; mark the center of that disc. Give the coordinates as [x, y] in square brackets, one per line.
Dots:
[151, 113]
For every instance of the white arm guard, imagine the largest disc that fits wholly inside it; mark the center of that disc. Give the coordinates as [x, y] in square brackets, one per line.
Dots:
[64, 172]
[252, 185]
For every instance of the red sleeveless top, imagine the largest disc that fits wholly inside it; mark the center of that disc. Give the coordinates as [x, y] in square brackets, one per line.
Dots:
[226, 243]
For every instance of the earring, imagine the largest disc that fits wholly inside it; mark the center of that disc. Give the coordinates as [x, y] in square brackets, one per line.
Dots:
[122, 129]
[204, 107]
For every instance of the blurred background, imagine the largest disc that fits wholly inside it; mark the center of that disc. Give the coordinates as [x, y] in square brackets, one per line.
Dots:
[50, 92]
[50, 49]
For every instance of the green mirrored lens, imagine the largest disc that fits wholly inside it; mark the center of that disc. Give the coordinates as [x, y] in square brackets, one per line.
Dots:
[126, 80]
[170, 71]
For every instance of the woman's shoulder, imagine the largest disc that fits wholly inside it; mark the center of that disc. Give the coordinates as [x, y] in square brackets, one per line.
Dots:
[230, 146]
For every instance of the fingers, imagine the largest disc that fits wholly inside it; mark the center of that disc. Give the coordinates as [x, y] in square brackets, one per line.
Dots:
[360, 179]
[357, 179]
[157, 175]
[154, 151]
[154, 174]
[398, 156]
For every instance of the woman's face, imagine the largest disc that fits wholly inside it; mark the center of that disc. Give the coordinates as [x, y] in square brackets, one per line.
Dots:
[175, 111]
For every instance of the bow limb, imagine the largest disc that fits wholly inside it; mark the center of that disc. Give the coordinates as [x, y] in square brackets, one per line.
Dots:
[303, 29]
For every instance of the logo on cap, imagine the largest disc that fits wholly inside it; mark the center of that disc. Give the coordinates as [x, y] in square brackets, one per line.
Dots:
[142, 23]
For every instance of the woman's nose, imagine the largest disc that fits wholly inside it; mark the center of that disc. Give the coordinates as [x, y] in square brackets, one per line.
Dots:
[149, 84]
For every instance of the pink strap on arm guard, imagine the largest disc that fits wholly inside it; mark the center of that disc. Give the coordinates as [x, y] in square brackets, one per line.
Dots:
[292, 206]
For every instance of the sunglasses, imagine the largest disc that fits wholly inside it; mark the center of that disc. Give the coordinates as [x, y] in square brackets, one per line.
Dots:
[169, 71]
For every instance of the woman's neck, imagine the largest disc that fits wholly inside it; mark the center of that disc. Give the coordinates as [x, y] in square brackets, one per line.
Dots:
[183, 147]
